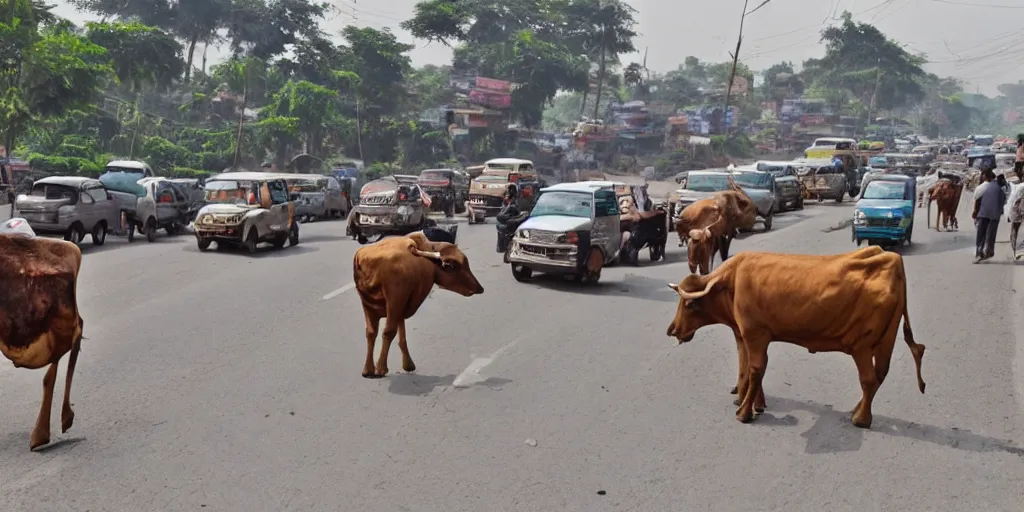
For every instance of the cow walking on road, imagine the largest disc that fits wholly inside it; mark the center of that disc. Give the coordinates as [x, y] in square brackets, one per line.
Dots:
[946, 195]
[393, 277]
[39, 320]
[851, 303]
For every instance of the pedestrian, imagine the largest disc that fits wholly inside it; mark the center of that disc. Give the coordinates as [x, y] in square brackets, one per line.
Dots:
[1015, 215]
[1018, 164]
[988, 204]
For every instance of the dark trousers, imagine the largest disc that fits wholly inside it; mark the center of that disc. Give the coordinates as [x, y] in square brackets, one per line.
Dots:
[985, 244]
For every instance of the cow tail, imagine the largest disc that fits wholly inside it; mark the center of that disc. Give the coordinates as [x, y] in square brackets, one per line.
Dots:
[916, 349]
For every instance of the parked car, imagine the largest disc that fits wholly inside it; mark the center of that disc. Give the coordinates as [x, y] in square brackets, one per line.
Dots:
[448, 190]
[787, 184]
[316, 196]
[157, 204]
[391, 205]
[761, 188]
[70, 206]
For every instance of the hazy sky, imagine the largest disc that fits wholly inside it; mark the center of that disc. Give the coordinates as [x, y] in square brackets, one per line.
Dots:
[968, 39]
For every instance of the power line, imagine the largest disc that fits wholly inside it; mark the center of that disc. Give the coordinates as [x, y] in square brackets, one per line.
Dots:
[967, 4]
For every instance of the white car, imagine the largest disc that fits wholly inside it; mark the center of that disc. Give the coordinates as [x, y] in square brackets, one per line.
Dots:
[16, 225]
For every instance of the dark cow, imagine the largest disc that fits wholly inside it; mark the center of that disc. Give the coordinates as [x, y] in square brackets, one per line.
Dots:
[393, 277]
[39, 320]
[850, 303]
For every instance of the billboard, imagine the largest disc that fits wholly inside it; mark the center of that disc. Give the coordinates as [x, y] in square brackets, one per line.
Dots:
[491, 93]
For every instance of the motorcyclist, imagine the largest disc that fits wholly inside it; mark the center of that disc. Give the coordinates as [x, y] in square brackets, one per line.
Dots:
[510, 217]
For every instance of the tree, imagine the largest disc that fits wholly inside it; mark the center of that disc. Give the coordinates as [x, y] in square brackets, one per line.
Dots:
[863, 61]
[503, 39]
[604, 28]
[266, 28]
[45, 73]
[138, 54]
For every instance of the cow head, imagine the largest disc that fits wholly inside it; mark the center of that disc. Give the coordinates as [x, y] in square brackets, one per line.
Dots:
[700, 250]
[692, 313]
[453, 272]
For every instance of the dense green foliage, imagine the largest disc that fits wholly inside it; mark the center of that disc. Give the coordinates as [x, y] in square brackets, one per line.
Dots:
[138, 86]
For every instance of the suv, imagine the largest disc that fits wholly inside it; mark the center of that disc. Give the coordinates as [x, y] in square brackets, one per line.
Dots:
[246, 209]
[70, 206]
[448, 190]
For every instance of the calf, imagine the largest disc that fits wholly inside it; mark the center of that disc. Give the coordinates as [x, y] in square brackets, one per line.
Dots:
[703, 244]
[39, 320]
[393, 277]
[850, 303]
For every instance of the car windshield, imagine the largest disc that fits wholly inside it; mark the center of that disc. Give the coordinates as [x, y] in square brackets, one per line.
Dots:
[52, 191]
[775, 170]
[305, 186]
[125, 170]
[752, 179]
[434, 175]
[884, 190]
[229, 192]
[707, 182]
[572, 204]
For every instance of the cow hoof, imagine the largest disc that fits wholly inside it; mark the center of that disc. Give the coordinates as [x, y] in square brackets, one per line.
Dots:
[744, 416]
[759, 409]
[67, 418]
[408, 366]
[862, 421]
[369, 373]
[38, 438]
[734, 391]
[380, 372]
[736, 402]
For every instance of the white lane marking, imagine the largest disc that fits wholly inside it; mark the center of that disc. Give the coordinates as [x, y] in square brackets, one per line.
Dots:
[471, 375]
[339, 291]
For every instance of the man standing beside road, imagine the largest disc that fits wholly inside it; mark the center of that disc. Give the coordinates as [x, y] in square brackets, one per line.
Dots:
[988, 204]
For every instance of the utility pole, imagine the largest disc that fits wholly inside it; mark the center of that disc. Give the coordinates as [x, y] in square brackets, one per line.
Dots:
[735, 60]
[874, 95]
[732, 73]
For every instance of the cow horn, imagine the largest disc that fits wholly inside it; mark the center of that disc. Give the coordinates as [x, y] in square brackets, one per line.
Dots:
[696, 295]
[426, 254]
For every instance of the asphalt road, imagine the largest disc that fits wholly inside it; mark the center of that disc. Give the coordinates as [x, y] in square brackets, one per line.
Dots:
[220, 381]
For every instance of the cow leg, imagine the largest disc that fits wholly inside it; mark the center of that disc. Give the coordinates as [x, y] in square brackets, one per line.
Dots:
[407, 363]
[372, 325]
[741, 380]
[757, 357]
[67, 416]
[390, 330]
[723, 248]
[868, 385]
[41, 433]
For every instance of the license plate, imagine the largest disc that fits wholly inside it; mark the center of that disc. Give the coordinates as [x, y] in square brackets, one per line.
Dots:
[476, 201]
[372, 220]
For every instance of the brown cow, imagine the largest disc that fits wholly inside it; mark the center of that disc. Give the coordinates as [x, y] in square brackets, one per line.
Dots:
[703, 244]
[393, 277]
[850, 303]
[39, 320]
[947, 195]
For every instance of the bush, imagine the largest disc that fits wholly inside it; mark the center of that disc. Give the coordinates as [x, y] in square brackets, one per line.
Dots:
[65, 166]
[185, 172]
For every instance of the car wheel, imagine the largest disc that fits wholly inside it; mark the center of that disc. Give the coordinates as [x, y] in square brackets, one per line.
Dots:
[800, 203]
[75, 234]
[522, 273]
[768, 220]
[99, 234]
[151, 230]
[203, 243]
[293, 235]
[252, 240]
[910, 234]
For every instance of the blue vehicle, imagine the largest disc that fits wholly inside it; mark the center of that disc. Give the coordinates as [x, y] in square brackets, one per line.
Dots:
[885, 213]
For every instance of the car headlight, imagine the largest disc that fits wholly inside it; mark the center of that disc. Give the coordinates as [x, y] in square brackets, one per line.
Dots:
[859, 219]
[905, 222]
[524, 233]
[207, 219]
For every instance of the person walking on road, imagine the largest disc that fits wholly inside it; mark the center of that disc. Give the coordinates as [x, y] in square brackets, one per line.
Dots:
[1018, 164]
[988, 204]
